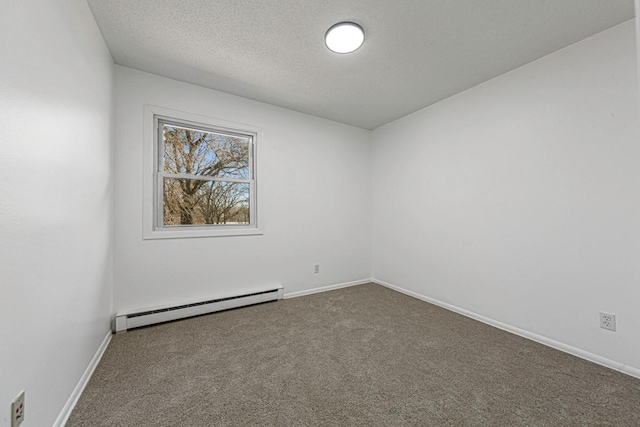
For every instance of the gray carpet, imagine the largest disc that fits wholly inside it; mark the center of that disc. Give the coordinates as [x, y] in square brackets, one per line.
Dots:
[360, 356]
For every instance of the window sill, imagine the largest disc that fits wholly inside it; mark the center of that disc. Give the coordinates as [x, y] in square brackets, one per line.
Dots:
[189, 234]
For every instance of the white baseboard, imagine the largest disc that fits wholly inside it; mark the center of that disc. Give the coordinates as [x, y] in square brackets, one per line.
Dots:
[326, 288]
[625, 369]
[75, 395]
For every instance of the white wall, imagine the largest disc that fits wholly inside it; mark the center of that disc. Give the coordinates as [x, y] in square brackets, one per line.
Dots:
[518, 199]
[314, 183]
[56, 202]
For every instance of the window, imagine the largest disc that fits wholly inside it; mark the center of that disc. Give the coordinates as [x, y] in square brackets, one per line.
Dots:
[203, 178]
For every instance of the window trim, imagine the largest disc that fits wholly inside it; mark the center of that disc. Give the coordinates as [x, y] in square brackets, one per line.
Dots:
[152, 216]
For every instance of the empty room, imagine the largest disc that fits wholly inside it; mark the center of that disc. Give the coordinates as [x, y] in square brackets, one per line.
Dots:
[336, 213]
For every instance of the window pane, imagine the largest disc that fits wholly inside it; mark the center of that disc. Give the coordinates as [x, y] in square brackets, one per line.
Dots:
[196, 152]
[197, 202]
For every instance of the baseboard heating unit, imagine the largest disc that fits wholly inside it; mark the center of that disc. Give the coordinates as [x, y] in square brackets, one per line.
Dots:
[149, 316]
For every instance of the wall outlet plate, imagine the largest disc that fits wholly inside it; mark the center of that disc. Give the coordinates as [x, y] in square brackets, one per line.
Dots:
[316, 269]
[17, 410]
[608, 321]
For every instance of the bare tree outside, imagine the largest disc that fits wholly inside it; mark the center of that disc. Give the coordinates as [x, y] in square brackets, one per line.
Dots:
[202, 155]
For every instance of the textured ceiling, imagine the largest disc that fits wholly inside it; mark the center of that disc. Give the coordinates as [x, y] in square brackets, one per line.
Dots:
[416, 52]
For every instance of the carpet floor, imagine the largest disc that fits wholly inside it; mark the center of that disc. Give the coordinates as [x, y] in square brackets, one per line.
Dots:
[359, 356]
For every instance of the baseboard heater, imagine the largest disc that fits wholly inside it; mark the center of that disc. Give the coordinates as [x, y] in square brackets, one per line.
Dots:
[149, 316]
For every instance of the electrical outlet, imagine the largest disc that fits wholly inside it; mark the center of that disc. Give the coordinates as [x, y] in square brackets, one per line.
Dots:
[17, 410]
[316, 269]
[608, 321]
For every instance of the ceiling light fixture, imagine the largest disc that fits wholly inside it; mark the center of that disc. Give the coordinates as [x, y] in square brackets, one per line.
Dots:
[344, 37]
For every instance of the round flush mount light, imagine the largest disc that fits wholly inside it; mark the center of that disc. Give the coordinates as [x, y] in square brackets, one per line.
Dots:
[344, 37]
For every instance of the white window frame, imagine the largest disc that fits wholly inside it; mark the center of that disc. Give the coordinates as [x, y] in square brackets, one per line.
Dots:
[153, 227]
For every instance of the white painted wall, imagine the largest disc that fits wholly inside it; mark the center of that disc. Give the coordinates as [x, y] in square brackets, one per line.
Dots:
[636, 5]
[518, 199]
[314, 183]
[56, 201]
